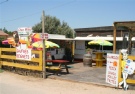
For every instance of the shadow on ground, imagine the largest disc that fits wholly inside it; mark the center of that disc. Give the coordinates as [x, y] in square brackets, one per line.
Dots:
[80, 73]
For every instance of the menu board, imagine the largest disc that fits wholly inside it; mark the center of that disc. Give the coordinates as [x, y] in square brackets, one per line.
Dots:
[112, 69]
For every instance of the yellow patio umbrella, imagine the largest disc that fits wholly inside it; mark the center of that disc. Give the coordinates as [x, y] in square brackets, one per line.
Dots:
[48, 44]
[100, 42]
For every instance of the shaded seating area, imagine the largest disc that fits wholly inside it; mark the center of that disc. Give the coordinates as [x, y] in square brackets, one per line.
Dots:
[57, 65]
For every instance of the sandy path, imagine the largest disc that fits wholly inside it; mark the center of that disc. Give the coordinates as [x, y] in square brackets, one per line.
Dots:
[31, 85]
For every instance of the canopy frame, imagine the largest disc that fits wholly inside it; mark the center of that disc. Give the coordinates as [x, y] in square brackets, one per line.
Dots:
[130, 25]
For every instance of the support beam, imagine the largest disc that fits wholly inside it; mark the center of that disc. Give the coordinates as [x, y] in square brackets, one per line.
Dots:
[114, 38]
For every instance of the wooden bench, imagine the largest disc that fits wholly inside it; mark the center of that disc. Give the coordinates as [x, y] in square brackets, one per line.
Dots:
[57, 69]
[99, 62]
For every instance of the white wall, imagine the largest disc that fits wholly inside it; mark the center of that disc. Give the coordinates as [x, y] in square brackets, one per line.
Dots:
[79, 49]
[58, 55]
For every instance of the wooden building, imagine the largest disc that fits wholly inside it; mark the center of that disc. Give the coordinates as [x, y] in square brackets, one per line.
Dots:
[99, 31]
[84, 35]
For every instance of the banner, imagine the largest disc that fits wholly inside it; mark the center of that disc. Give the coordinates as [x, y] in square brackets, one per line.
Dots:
[24, 30]
[23, 54]
[112, 69]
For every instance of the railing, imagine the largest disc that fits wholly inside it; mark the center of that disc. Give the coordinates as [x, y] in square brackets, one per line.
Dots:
[8, 58]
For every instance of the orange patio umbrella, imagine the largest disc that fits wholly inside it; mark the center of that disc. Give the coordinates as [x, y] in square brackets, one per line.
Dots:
[11, 41]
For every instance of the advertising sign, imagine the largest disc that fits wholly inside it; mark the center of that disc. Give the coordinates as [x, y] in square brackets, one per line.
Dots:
[112, 69]
[23, 54]
[44, 36]
[24, 30]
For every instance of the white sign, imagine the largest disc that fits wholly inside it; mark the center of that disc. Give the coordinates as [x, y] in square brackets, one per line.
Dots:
[24, 30]
[23, 54]
[112, 69]
[44, 35]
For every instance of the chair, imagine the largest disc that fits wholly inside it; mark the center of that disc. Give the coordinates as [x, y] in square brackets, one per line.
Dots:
[64, 57]
[53, 58]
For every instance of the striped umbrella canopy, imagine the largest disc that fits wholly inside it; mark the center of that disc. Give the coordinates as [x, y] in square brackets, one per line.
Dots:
[48, 44]
[35, 37]
[100, 42]
[11, 41]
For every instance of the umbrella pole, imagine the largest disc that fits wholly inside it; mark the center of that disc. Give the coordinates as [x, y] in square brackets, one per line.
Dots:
[100, 48]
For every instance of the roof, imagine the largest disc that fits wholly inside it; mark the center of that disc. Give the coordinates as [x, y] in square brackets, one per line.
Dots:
[103, 28]
[3, 33]
[128, 24]
[58, 37]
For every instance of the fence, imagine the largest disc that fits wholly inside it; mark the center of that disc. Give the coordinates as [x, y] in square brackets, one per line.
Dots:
[8, 58]
[131, 79]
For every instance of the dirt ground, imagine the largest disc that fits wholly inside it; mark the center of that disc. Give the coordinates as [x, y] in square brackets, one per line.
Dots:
[31, 85]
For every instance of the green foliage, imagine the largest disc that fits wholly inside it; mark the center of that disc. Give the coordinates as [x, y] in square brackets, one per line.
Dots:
[1, 38]
[6, 31]
[54, 26]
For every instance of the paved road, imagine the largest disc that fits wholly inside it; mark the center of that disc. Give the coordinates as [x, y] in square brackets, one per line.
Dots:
[11, 83]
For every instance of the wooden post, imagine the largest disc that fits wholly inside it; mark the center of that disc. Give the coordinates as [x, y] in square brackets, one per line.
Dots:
[0, 58]
[114, 38]
[73, 47]
[44, 54]
[130, 41]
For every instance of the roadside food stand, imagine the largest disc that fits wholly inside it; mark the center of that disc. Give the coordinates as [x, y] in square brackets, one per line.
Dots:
[130, 26]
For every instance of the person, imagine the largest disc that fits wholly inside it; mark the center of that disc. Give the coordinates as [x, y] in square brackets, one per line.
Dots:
[16, 39]
[49, 58]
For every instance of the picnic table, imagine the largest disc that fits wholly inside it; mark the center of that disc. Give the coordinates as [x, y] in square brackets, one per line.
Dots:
[59, 67]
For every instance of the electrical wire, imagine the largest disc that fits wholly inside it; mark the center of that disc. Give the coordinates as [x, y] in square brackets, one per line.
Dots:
[3, 1]
[19, 18]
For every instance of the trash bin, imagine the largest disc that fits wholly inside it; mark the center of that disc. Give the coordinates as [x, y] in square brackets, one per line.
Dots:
[87, 60]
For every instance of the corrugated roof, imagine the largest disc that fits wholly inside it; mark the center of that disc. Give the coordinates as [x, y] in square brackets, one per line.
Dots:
[3, 33]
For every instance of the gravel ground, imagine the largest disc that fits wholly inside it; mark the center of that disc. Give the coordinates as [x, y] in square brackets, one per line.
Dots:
[11, 83]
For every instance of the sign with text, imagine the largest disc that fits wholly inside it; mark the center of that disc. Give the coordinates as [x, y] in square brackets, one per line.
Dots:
[24, 30]
[23, 54]
[112, 69]
[44, 36]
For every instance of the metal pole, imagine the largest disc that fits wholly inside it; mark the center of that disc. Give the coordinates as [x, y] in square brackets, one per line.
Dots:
[44, 54]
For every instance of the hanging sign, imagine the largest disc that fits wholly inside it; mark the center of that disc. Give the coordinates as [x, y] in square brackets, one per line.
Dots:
[23, 54]
[24, 30]
[44, 36]
[112, 69]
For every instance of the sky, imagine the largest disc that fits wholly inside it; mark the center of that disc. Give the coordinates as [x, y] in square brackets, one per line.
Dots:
[77, 13]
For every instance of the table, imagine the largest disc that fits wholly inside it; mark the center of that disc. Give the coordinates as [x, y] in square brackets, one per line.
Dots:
[60, 62]
[99, 59]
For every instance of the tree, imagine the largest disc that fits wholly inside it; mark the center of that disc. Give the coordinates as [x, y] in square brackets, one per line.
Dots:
[6, 31]
[54, 26]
